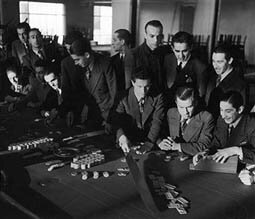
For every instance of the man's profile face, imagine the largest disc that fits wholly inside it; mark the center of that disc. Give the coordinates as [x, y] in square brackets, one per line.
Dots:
[22, 34]
[52, 80]
[185, 107]
[228, 113]
[117, 43]
[141, 87]
[220, 63]
[82, 61]
[153, 36]
[35, 39]
[181, 51]
[2, 37]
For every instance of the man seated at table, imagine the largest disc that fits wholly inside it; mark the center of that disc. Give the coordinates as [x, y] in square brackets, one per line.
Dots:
[139, 113]
[190, 128]
[39, 93]
[234, 133]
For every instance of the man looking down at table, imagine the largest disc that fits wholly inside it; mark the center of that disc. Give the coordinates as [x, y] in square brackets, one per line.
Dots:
[139, 113]
[190, 128]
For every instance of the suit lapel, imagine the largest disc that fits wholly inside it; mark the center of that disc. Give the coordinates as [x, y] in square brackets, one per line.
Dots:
[148, 108]
[134, 108]
[174, 124]
[96, 74]
[193, 126]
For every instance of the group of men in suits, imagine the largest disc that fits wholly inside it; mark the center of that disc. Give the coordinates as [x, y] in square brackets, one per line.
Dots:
[139, 92]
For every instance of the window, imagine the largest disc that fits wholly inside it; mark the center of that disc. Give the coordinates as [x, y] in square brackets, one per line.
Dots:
[49, 18]
[102, 24]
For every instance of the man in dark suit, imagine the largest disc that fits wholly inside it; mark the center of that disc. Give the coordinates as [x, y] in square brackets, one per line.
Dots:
[190, 128]
[139, 113]
[99, 80]
[38, 51]
[20, 46]
[181, 67]
[120, 44]
[151, 54]
[226, 78]
[235, 132]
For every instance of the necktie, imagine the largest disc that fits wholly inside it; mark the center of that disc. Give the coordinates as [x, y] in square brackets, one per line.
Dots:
[184, 124]
[141, 105]
[88, 73]
[230, 130]
[179, 67]
[40, 54]
[218, 80]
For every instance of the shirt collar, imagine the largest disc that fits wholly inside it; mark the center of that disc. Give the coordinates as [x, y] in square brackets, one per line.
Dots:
[225, 74]
[236, 122]
[184, 63]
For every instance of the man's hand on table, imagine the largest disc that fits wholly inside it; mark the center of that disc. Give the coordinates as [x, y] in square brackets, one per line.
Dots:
[124, 143]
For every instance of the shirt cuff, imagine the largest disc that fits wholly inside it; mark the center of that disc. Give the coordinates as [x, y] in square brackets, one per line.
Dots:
[240, 153]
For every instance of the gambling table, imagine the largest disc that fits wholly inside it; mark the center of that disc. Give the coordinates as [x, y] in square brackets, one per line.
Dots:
[58, 194]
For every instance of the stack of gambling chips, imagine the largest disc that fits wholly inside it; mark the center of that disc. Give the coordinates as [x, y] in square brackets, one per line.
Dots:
[87, 160]
[123, 171]
[31, 144]
[168, 190]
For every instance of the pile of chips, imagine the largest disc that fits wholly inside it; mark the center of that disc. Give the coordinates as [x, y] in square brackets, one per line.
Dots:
[88, 159]
[31, 144]
[168, 190]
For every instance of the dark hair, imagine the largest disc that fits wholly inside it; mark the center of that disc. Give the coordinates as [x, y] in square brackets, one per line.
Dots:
[124, 34]
[41, 63]
[34, 29]
[72, 36]
[182, 37]
[140, 73]
[225, 49]
[234, 98]
[23, 25]
[80, 46]
[154, 23]
[187, 92]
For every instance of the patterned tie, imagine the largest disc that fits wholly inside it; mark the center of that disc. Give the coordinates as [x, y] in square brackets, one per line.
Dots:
[88, 73]
[184, 124]
[141, 105]
[218, 80]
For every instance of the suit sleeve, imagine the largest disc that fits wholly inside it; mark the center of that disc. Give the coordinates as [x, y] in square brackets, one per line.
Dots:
[156, 124]
[202, 78]
[204, 140]
[118, 118]
[249, 150]
[112, 87]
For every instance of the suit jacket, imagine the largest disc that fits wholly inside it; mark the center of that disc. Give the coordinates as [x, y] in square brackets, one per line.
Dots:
[18, 50]
[233, 81]
[102, 86]
[243, 135]
[50, 53]
[135, 126]
[197, 135]
[73, 89]
[194, 72]
[123, 72]
[153, 61]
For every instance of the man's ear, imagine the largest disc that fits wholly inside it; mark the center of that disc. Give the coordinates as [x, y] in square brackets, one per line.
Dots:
[240, 110]
[230, 60]
[87, 55]
[122, 42]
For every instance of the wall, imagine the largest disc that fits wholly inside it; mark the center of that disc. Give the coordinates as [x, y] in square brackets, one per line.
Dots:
[237, 17]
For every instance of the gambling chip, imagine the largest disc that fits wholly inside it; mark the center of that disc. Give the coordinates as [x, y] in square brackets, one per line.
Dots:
[95, 175]
[106, 174]
[84, 175]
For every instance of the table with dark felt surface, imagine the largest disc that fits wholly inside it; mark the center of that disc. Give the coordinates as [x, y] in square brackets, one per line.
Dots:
[57, 194]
